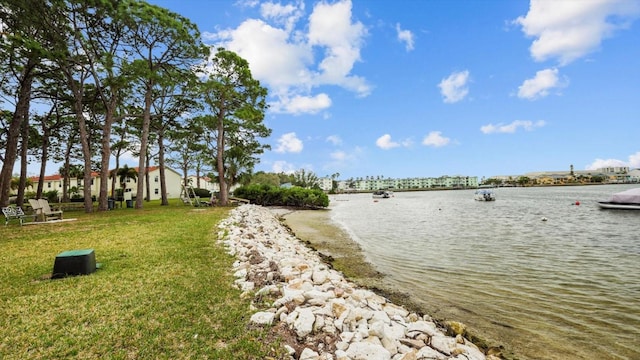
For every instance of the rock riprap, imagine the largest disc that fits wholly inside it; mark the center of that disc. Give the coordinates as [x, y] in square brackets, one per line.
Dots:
[331, 317]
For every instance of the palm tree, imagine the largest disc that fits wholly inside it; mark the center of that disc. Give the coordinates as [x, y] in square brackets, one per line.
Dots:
[125, 173]
[15, 183]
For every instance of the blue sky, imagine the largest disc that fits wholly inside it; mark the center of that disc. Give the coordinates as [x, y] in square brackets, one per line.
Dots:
[431, 88]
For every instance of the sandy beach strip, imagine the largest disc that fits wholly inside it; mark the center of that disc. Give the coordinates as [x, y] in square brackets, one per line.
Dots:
[332, 242]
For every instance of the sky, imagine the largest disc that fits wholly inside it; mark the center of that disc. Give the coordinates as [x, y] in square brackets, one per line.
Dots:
[414, 88]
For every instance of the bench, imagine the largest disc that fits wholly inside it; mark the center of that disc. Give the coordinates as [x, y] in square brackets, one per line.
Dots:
[16, 213]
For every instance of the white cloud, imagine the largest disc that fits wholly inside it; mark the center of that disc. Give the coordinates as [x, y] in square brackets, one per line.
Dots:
[600, 163]
[338, 155]
[406, 37]
[299, 104]
[283, 167]
[570, 29]
[384, 142]
[454, 88]
[634, 160]
[334, 139]
[286, 15]
[435, 139]
[331, 28]
[280, 51]
[341, 159]
[513, 127]
[540, 85]
[289, 142]
[633, 163]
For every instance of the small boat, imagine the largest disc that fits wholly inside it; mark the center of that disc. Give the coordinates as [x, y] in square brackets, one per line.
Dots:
[382, 194]
[484, 195]
[625, 200]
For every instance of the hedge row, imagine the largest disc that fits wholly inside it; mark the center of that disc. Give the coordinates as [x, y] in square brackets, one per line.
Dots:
[268, 195]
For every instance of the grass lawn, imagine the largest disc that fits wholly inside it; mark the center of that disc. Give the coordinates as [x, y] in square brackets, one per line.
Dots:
[163, 291]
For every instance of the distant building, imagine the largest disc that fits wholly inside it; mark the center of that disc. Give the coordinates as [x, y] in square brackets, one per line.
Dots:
[203, 182]
[607, 175]
[173, 182]
[377, 183]
[325, 183]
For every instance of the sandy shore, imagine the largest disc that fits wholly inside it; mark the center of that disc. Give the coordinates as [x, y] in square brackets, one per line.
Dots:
[337, 248]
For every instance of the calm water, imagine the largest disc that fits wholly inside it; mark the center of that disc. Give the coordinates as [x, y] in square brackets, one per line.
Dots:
[565, 288]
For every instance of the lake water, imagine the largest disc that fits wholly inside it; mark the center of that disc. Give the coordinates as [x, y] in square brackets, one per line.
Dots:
[565, 288]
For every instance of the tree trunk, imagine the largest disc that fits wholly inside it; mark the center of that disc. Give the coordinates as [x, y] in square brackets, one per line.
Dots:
[103, 205]
[78, 94]
[224, 194]
[163, 186]
[147, 181]
[144, 140]
[24, 149]
[13, 135]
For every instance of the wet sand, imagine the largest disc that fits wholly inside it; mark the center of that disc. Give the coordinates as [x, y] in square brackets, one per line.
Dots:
[335, 246]
[338, 249]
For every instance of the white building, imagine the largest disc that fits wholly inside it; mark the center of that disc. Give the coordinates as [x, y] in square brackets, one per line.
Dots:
[172, 178]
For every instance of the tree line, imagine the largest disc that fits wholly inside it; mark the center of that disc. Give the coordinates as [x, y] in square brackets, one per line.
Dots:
[84, 81]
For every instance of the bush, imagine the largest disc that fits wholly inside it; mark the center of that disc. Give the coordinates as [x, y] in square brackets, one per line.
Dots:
[201, 193]
[51, 196]
[268, 195]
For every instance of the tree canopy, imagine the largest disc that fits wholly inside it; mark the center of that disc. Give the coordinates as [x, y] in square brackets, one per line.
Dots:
[127, 68]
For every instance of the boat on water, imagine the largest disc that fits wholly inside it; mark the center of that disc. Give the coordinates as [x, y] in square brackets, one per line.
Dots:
[484, 195]
[382, 194]
[624, 200]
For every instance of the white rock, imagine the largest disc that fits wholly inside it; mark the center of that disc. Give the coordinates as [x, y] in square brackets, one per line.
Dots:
[303, 325]
[444, 344]
[263, 318]
[314, 299]
[367, 351]
[308, 354]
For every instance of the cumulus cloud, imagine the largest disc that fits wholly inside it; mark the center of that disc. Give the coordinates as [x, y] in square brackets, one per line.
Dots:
[513, 127]
[280, 49]
[283, 167]
[570, 29]
[435, 139]
[540, 85]
[338, 155]
[334, 139]
[406, 37]
[299, 104]
[289, 143]
[454, 88]
[341, 159]
[385, 142]
[633, 162]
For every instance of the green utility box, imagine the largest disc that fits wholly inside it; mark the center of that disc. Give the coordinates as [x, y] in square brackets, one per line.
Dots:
[74, 262]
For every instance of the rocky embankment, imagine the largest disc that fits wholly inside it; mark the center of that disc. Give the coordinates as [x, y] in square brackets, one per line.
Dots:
[330, 317]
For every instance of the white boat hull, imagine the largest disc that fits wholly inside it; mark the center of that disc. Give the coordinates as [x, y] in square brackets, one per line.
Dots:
[610, 205]
[484, 195]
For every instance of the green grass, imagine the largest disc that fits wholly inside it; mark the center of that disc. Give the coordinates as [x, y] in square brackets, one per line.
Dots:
[164, 290]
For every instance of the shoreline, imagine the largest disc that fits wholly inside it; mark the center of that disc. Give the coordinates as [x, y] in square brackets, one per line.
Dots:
[338, 249]
[318, 311]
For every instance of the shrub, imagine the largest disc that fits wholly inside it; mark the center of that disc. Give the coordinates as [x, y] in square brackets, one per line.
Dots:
[201, 193]
[51, 196]
[268, 195]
